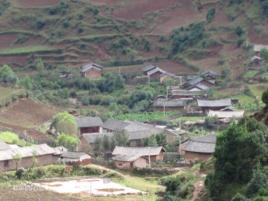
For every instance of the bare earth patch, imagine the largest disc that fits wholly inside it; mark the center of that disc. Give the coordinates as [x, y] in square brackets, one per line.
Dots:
[95, 187]
[35, 3]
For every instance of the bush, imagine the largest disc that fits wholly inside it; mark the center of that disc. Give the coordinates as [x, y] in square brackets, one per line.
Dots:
[7, 75]
[64, 123]
[68, 141]
[264, 54]
[182, 38]
[239, 197]
[179, 187]
[211, 14]
[265, 97]
[258, 182]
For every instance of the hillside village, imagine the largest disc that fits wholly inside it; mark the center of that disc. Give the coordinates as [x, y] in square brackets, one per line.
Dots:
[144, 100]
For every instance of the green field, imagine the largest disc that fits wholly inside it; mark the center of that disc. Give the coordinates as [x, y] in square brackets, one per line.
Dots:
[146, 116]
[7, 93]
[27, 50]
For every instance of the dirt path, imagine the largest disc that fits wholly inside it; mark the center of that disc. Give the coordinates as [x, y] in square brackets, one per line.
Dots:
[198, 187]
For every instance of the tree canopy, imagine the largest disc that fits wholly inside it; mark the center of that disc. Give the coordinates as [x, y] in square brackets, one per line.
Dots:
[239, 150]
[68, 141]
[64, 123]
[7, 75]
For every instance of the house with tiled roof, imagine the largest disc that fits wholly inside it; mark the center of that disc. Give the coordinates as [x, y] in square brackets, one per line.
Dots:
[136, 157]
[89, 125]
[13, 156]
[206, 105]
[198, 148]
[91, 70]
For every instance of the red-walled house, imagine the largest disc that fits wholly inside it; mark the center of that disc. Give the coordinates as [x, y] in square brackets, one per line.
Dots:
[92, 70]
[89, 125]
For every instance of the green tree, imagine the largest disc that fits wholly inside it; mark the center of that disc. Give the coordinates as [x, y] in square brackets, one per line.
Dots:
[264, 54]
[239, 197]
[17, 159]
[265, 97]
[258, 182]
[68, 141]
[64, 123]
[120, 138]
[239, 150]
[7, 75]
[27, 83]
[151, 141]
[211, 14]
[39, 64]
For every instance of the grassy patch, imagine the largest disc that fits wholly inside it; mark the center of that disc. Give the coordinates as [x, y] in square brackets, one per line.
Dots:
[10, 94]
[146, 116]
[27, 50]
[12, 138]
[250, 74]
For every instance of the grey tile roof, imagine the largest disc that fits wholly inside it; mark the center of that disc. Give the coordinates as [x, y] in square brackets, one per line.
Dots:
[148, 68]
[214, 103]
[204, 144]
[207, 138]
[135, 130]
[154, 70]
[92, 137]
[4, 146]
[161, 102]
[75, 155]
[182, 92]
[114, 125]
[210, 73]
[35, 150]
[89, 66]
[126, 158]
[133, 153]
[83, 122]
[195, 81]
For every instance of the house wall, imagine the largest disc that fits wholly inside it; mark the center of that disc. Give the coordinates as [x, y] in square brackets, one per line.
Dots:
[159, 157]
[28, 162]
[140, 163]
[93, 73]
[193, 157]
[169, 109]
[89, 130]
[156, 76]
[206, 109]
[122, 164]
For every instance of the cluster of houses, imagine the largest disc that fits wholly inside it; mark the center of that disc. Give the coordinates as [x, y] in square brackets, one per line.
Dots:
[136, 155]
[92, 128]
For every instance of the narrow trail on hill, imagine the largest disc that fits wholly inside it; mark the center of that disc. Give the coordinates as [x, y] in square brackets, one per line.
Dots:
[198, 188]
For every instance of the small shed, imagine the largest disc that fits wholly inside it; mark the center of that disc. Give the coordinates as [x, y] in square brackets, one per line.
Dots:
[91, 70]
[75, 158]
[227, 115]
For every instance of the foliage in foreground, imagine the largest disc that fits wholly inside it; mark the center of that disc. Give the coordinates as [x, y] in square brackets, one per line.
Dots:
[240, 159]
[64, 123]
[68, 141]
[11, 138]
[178, 188]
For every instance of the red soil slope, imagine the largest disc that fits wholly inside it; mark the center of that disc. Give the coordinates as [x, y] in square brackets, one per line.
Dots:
[138, 8]
[182, 14]
[26, 113]
[36, 3]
